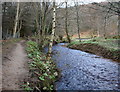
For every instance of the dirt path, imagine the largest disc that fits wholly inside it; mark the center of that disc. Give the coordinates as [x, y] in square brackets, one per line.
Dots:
[15, 68]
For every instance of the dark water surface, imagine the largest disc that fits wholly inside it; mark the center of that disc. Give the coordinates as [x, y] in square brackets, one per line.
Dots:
[84, 71]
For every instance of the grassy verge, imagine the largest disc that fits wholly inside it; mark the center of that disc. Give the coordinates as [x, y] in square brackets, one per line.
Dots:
[110, 44]
[44, 73]
[108, 48]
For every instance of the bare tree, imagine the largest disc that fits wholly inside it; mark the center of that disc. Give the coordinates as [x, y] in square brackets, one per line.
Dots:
[36, 8]
[16, 20]
[77, 16]
[43, 20]
[119, 18]
[112, 8]
[66, 23]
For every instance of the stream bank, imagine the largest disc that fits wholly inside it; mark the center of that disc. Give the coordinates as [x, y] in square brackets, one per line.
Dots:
[98, 50]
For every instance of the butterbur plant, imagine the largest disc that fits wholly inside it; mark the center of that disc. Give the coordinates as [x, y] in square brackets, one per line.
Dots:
[27, 87]
[45, 71]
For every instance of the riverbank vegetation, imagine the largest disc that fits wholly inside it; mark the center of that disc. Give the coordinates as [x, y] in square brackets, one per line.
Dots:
[43, 70]
[44, 24]
[108, 48]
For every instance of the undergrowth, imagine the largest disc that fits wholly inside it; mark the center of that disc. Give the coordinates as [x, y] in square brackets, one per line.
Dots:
[45, 71]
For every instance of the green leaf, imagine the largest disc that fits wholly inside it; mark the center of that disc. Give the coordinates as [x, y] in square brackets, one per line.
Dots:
[41, 78]
[44, 88]
[32, 64]
[45, 74]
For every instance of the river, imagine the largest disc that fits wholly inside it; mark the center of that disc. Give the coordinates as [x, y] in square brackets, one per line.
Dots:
[84, 71]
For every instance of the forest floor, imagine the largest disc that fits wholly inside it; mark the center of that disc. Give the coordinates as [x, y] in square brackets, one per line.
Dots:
[14, 66]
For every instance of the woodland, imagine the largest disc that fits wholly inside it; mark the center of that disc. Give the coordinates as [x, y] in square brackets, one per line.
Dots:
[60, 46]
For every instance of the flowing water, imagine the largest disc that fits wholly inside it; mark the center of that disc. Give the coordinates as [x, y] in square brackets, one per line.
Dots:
[84, 71]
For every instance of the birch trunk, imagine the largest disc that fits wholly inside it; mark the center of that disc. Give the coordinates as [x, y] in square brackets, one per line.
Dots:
[53, 31]
[16, 20]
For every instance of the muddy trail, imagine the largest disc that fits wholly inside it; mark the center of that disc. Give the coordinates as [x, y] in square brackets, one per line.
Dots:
[84, 71]
[15, 68]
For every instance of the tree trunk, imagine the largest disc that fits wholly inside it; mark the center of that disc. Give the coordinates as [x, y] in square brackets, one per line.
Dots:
[16, 21]
[118, 24]
[78, 26]
[38, 39]
[53, 32]
[38, 30]
[19, 29]
[66, 20]
[105, 20]
[43, 24]
[98, 29]
[119, 18]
